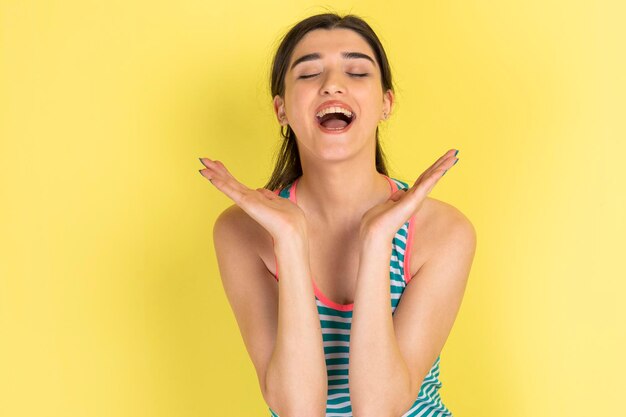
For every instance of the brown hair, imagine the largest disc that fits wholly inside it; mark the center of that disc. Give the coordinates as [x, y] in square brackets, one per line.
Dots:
[288, 166]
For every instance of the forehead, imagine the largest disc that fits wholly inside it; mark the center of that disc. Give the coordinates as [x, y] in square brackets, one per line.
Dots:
[331, 41]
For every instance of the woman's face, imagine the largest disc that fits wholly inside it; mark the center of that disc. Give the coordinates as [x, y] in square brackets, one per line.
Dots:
[326, 71]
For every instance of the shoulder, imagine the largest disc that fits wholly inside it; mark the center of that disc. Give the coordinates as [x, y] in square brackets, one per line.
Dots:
[448, 221]
[229, 221]
[234, 224]
[439, 229]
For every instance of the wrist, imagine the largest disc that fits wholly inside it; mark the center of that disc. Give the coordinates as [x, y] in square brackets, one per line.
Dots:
[374, 240]
[375, 244]
[294, 242]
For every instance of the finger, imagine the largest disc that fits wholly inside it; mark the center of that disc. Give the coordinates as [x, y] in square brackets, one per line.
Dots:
[221, 167]
[219, 176]
[216, 165]
[448, 166]
[441, 159]
[422, 188]
[217, 169]
[225, 184]
[437, 174]
[445, 158]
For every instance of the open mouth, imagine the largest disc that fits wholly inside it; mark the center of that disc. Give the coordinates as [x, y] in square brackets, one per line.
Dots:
[335, 119]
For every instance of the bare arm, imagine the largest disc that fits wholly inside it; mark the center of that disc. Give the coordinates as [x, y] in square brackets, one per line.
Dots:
[278, 323]
[280, 326]
[406, 344]
[296, 374]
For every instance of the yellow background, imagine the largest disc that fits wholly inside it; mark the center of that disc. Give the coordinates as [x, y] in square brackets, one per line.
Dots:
[110, 298]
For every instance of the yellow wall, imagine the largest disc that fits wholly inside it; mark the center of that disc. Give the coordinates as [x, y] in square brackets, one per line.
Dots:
[110, 298]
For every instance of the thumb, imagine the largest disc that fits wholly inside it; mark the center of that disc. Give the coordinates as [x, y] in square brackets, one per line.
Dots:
[267, 193]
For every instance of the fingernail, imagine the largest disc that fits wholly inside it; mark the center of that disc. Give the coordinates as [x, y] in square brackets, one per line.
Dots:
[200, 159]
[455, 162]
[457, 151]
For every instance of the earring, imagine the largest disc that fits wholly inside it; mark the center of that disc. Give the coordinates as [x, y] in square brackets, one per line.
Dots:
[385, 116]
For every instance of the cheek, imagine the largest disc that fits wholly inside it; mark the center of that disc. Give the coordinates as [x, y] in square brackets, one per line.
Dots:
[373, 111]
[372, 99]
[297, 106]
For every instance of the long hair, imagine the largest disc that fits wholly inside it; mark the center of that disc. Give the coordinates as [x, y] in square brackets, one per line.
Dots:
[288, 166]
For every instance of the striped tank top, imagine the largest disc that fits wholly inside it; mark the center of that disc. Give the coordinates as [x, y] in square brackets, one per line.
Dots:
[336, 319]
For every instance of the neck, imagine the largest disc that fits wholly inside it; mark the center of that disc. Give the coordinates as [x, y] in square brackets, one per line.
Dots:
[341, 195]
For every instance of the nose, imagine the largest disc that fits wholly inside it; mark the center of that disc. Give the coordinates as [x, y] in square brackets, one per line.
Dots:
[332, 84]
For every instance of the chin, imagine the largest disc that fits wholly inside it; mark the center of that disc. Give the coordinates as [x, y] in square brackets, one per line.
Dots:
[338, 147]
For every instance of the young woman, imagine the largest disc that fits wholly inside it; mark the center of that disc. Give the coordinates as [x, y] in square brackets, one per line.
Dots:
[355, 274]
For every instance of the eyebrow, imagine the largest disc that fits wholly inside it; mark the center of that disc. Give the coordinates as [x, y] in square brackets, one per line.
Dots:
[347, 55]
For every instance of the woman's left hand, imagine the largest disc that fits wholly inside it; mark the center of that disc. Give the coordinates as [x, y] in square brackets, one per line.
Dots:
[383, 220]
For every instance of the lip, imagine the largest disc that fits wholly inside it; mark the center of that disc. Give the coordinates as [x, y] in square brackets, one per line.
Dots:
[334, 103]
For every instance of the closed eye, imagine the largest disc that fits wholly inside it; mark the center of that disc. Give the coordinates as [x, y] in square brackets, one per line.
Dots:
[349, 73]
[309, 76]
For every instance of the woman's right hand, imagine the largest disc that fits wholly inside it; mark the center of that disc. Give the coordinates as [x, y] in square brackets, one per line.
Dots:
[279, 216]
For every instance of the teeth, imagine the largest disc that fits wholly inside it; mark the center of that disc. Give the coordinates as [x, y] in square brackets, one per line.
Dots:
[334, 110]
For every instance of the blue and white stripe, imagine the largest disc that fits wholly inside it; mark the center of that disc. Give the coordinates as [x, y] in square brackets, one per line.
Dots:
[336, 326]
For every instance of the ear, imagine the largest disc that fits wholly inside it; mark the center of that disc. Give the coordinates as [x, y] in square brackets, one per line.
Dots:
[279, 109]
[388, 102]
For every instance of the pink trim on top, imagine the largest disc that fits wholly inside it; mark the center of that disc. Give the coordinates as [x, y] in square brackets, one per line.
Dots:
[394, 186]
[407, 250]
[292, 190]
[409, 240]
[318, 292]
[277, 192]
[329, 302]
[275, 262]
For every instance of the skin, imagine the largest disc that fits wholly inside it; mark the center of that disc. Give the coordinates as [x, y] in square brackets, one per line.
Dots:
[329, 159]
[359, 222]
